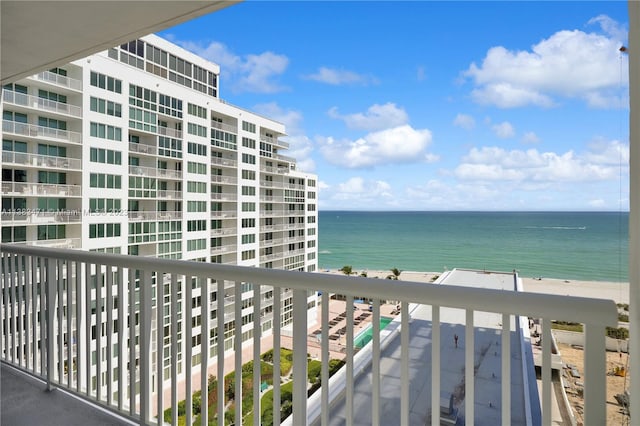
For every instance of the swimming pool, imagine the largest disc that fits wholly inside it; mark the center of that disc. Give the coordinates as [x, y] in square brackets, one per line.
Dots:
[366, 335]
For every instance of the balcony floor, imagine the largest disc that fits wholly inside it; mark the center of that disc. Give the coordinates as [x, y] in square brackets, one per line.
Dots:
[25, 401]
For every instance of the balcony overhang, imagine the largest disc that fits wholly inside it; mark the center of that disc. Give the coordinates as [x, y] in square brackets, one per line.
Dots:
[39, 35]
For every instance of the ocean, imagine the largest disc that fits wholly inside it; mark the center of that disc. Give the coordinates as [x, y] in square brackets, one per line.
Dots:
[589, 246]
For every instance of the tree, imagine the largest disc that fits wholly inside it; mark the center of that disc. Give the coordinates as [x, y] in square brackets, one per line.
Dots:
[347, 270]
[395, 274]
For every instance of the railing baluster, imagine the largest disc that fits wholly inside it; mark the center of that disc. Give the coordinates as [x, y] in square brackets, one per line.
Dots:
[35, 311]
[19, 301]
[188, 347]
[300, 357]
[44, 312]
[87, 329]
[80, 322]
[109, 276]
[204, 351]
[237, 346]
[435, 365]
[50, 285]
[595, 394]
[133, 369]
[146, 293]
[506, 368]
[12, 305]
[276, 355]
[324, 356]
[546, 371]
[28, 309]
[404, 363]
[469, 368]
[159, 345]
[60, 323]
[122, 353]
[6, 276]
[257, 367]
[349, 357]
[98, 334]
[174, 348]
[220, 289]
[68, 306]
[375, 364]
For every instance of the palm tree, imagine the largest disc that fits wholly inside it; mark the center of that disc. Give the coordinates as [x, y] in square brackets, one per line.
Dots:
[347, 270]
[395, 274]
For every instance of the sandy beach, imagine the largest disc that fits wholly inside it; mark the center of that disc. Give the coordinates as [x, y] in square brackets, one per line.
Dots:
[619, 292]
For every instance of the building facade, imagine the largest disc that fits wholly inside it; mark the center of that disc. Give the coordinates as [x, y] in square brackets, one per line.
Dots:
[132, 151]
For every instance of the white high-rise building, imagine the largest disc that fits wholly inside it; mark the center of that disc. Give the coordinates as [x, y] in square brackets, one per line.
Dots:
[132, 151]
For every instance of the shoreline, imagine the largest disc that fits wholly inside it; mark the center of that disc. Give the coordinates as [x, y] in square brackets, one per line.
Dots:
[616, 291]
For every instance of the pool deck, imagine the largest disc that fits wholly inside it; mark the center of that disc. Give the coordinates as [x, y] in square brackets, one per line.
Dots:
[338, 323]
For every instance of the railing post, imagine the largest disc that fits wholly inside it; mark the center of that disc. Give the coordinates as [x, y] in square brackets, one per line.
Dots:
[404, 363]
[546, 371]
[595, 378]
[300, 357]
[435, 365]
[506, 368]
[49, 282]
[469, 368]
[146, 292]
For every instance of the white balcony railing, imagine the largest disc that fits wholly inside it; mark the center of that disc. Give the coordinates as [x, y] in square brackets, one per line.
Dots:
[227, 162]
[224, 196]
[224, 179]
[154, 172]
[29, 101]
[224, 126]
[274, 141]
[36, 217]
[59, 80]
[31, 130]
[137, 216]
[141, 148]
[172, 133]
[224, 214]
[38, 282]
[11, 188]
[41, 161]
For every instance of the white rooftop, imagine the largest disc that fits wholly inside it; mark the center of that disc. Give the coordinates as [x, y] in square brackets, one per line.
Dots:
[487, 338]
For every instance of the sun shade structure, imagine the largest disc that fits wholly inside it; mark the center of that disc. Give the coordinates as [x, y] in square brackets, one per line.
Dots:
[39, 35]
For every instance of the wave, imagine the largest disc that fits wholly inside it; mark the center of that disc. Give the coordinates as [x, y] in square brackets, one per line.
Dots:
[324, 252]
[570, 228]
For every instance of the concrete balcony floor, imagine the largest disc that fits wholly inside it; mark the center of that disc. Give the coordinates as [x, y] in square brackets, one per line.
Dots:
[25, 401]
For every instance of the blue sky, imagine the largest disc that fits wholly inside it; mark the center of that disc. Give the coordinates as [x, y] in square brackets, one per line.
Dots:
[435, 105]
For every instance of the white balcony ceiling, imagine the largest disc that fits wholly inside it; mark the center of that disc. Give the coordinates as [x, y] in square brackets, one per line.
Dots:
[39, 35]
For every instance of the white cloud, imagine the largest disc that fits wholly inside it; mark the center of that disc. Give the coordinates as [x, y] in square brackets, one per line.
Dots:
[465, 121]
[402, 144]
[572, 64]
[377, 117]
[504, 130]
[249, 73]
[338, 77]
[356, 191]
[601, 162]
[610, 26]
[530, 138]
[598, 203]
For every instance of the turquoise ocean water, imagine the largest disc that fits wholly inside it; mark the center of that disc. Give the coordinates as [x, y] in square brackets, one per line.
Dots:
[581, 246]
